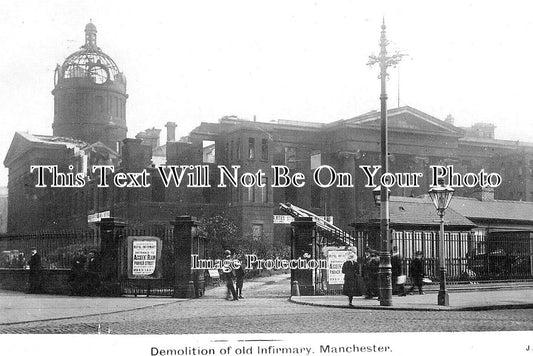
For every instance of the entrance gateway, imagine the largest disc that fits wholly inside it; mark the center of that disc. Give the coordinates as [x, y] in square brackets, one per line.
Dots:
[313, 237]
[155, 261]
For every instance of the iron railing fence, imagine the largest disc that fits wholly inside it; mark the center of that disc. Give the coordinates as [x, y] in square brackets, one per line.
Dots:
[468, 256]
[57, 249]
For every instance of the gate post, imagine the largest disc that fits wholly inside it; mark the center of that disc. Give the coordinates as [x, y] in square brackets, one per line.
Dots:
[303, 243]
[185, 231]
[111, 233]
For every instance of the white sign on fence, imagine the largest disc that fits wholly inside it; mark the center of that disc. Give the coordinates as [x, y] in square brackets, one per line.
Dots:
[144, 257]
[336, 259]
[97, 216]
[287, 219]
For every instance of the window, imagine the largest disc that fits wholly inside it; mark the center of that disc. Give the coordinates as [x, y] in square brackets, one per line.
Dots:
[115, 106]
[316, 159]
[264, 149]
[290, 157]
[209, 154]
[99, 103]
[251, 148]
[231, 151]
[238, 149]
[257, 231]
[251, 194]
[264, 190]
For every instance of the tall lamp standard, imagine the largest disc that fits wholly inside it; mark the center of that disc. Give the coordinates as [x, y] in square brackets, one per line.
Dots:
[442, 196]
[385, 268]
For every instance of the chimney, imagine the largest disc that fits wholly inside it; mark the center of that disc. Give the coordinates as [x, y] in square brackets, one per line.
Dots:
[484, 194]
[171, 131]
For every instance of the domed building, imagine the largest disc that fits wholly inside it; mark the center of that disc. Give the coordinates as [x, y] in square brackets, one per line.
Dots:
[90, 96]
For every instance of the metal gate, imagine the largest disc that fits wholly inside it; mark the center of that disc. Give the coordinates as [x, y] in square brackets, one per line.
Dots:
[163, 283]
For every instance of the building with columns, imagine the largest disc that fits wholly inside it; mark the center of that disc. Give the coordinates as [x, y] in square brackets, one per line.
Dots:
[90, 128]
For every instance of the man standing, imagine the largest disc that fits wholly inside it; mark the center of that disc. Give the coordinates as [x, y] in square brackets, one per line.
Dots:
[239, 274]
[229, 274]
[417, 273]
[396, 262]
[35, 272]
[77, 277]
[371, 275]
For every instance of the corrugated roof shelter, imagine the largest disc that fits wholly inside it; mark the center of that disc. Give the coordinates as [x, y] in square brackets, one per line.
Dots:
[416, 213]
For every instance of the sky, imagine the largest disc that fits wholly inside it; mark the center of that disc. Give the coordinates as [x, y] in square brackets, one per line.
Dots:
[194, 61]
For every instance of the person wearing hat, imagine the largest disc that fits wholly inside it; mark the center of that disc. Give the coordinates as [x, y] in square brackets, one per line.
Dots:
[396, 263]
[349, 268]
[417, 273]
[372, 275]
[77, 277]
[228, 272]
[35, 272]
[93, 273]
[239, 275]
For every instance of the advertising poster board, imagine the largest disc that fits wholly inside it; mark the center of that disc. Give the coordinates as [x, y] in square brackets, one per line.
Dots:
[144, 257]
[335, 260]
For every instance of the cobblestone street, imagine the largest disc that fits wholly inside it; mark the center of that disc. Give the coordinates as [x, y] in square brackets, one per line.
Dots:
[266, 309]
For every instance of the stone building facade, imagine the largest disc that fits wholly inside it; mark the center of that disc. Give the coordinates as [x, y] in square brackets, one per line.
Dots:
[90, 128]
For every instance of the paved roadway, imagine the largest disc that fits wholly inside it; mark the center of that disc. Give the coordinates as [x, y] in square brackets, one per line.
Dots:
[266, 309]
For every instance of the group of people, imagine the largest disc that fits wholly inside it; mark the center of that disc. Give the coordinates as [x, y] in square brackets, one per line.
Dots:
[83, 278]
[234, 275]
[370, 274]
[13, 259]
[84, 273]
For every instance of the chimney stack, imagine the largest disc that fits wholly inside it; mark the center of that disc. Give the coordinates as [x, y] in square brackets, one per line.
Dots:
[484, 194]
[171, 131]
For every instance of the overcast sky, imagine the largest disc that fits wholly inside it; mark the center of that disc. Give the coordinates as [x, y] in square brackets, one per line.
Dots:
[197, 61]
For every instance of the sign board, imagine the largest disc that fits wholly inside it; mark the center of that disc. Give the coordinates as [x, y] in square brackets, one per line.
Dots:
[97, 216]
[336, 259]
[144, 257]
[213, 273]
[287, 219]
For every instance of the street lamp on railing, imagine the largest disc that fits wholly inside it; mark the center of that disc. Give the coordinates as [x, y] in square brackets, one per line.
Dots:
[441, 197]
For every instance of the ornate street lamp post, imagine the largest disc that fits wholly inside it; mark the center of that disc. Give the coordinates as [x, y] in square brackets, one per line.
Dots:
[441, 197]
[385, 268]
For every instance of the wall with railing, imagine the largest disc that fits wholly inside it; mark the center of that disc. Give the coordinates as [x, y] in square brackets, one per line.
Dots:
[57, 249]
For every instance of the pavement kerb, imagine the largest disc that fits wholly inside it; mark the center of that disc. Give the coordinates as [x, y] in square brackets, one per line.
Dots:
[94, 314]
[415, 308]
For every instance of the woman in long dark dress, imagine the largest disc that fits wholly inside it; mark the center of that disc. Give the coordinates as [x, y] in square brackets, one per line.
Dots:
[349, 268]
